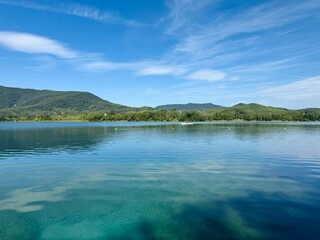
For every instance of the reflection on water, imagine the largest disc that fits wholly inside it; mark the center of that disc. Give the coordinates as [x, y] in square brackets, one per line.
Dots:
[114, 181]
[50, 139]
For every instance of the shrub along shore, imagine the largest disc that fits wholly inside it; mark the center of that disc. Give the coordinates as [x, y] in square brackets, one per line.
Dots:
[163, 116]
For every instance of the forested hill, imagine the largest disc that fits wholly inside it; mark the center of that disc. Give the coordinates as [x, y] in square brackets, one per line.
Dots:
[254, 108]
[254, 111]
[188, 106]
[43, 105]
[17, 99]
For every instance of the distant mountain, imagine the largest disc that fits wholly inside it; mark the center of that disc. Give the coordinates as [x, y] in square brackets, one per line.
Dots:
[251, 108]
[45, 100]
[257, 108]
[188, 106]
[18, 104]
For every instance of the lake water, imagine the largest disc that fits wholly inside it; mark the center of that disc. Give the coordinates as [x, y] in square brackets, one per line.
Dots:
[159, 181]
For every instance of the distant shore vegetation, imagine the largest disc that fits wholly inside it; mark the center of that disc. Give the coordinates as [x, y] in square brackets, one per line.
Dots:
[162, 116]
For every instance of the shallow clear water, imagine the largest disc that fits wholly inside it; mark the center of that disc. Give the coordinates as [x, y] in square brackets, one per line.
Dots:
[150, 181]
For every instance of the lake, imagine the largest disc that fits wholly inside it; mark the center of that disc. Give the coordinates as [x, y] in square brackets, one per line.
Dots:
[159, 181]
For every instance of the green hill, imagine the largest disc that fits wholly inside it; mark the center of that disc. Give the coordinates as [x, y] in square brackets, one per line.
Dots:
[17, 99]
[43, 105]
[242, 110]
[254, 111]
[188, 106]
[255, 108]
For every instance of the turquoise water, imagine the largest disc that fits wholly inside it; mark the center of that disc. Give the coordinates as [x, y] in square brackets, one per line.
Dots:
[159, 181]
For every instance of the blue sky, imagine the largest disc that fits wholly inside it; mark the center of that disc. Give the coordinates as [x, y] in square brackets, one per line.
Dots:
[145, 52]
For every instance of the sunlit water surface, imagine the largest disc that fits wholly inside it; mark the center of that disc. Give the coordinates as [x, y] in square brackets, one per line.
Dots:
[159, 181]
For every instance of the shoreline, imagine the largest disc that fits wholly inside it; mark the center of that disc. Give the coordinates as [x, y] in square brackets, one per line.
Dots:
[177, 122]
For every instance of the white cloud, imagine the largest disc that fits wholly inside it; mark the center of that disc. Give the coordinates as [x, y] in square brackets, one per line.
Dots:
[39, 45]
[307, 89]
[30, 43]
[143, 68]
[161, 70]
[207, 75]
[107, 66]
[74, 10]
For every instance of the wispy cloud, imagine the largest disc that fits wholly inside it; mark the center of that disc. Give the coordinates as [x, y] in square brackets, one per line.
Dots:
[266, 66]
[235, 41]
[161, 70]
[140, 68]
[256, 19]
[207, 75]
[153, 68]
[307, 89]
[43, 64]
[30, 43]
[39, 46]
[243, 42]
[102, 66]
[180, 13]
[78, 10]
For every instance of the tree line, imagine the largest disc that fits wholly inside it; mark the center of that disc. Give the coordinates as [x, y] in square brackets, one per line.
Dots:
[161, 116]
[201, 116]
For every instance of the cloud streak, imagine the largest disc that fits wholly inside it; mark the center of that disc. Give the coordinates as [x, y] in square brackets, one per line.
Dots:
[180, 11]
[150, 68]
[75, 10]
[140, 68]
[39, 45]
[256, 19]
[306, 89]
[102, 66]
[162, 70]
[207, 75]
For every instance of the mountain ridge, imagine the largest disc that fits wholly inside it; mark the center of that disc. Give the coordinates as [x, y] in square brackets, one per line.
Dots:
[28, 104]
[188, 106]
[49, 100]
